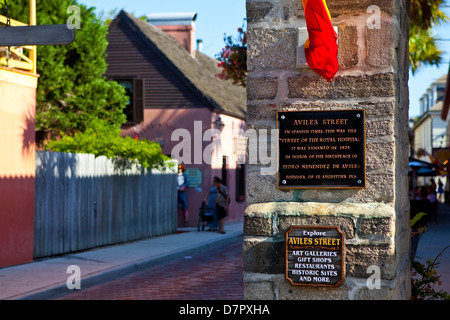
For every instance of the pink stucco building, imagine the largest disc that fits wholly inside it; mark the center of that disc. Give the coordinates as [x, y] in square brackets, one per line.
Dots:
[17, 169]
[175, 98]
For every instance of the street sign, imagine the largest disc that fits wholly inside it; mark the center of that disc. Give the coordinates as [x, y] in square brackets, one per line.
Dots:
[314, 255]
[58, 34]
[321, 149]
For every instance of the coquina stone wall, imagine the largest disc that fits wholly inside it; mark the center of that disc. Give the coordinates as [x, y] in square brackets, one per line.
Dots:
[373, 75]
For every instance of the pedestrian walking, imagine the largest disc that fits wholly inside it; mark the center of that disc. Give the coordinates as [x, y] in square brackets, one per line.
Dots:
[210, 200]
[440, 191]
[183, 182]
[222, 202]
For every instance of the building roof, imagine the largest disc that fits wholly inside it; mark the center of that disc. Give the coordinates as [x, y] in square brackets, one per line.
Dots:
[442, 79]
[439, 81]
[434, 111]
[437, 107]
[221, 95]
[446, 98]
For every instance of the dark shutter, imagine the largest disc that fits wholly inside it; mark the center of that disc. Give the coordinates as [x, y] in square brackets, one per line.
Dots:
[224, 170]
[240, 182]
[138, 99]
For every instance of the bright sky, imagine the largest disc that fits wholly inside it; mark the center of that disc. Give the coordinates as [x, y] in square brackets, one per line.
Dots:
[216, 18]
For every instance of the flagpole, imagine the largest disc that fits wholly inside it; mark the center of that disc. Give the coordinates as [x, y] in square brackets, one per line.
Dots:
[33, 53]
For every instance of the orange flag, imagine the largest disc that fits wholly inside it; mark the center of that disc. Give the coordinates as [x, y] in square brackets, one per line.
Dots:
[321, 47]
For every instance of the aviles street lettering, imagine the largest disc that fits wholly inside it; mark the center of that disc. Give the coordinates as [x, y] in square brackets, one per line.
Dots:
[315, 241]
[315, 122]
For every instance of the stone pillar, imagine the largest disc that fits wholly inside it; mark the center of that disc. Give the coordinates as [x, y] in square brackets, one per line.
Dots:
[373, 75]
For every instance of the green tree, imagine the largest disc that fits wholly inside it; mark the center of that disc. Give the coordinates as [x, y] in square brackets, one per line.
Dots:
[423, 48]
[103, 139]
[233, 58]
[72, 90]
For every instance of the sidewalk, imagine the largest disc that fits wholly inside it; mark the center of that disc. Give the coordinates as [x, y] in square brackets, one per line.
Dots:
[435, 239]
[46, 278]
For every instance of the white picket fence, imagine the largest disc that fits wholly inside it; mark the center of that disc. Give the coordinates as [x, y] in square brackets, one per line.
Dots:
[82, 202]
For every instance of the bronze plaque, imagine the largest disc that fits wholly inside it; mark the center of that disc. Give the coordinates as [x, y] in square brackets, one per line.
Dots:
[314, 256]
[321, 149]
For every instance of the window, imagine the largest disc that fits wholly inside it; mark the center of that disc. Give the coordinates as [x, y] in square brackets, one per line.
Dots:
[431, 100]
[224, 171]
[440, 93]
[134, 89]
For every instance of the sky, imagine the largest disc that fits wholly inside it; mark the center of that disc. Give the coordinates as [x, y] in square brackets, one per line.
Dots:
[216, 18]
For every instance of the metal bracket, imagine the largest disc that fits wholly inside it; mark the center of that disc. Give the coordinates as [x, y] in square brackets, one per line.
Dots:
[302, 36]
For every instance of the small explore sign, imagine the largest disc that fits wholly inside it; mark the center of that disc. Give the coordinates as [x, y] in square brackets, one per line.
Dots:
[314, 256]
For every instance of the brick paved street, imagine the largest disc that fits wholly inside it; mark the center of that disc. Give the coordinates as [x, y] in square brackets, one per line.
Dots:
[215, 274]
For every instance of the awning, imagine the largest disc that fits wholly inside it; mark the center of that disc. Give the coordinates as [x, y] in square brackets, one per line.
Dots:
[424, 168]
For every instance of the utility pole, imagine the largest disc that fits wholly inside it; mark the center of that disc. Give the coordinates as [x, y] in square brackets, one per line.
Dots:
[33, 53]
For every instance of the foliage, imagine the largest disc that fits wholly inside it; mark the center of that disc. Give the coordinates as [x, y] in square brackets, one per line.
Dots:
[423, 49]
[426, 13]
[233, 58]
[416, 218]
[103, 139]
[76, 104]
[424, 278]
[108, 16]
[72, 90]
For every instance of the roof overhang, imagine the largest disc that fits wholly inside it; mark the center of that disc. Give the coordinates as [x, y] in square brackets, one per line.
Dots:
[161, 19]
[446, 105]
